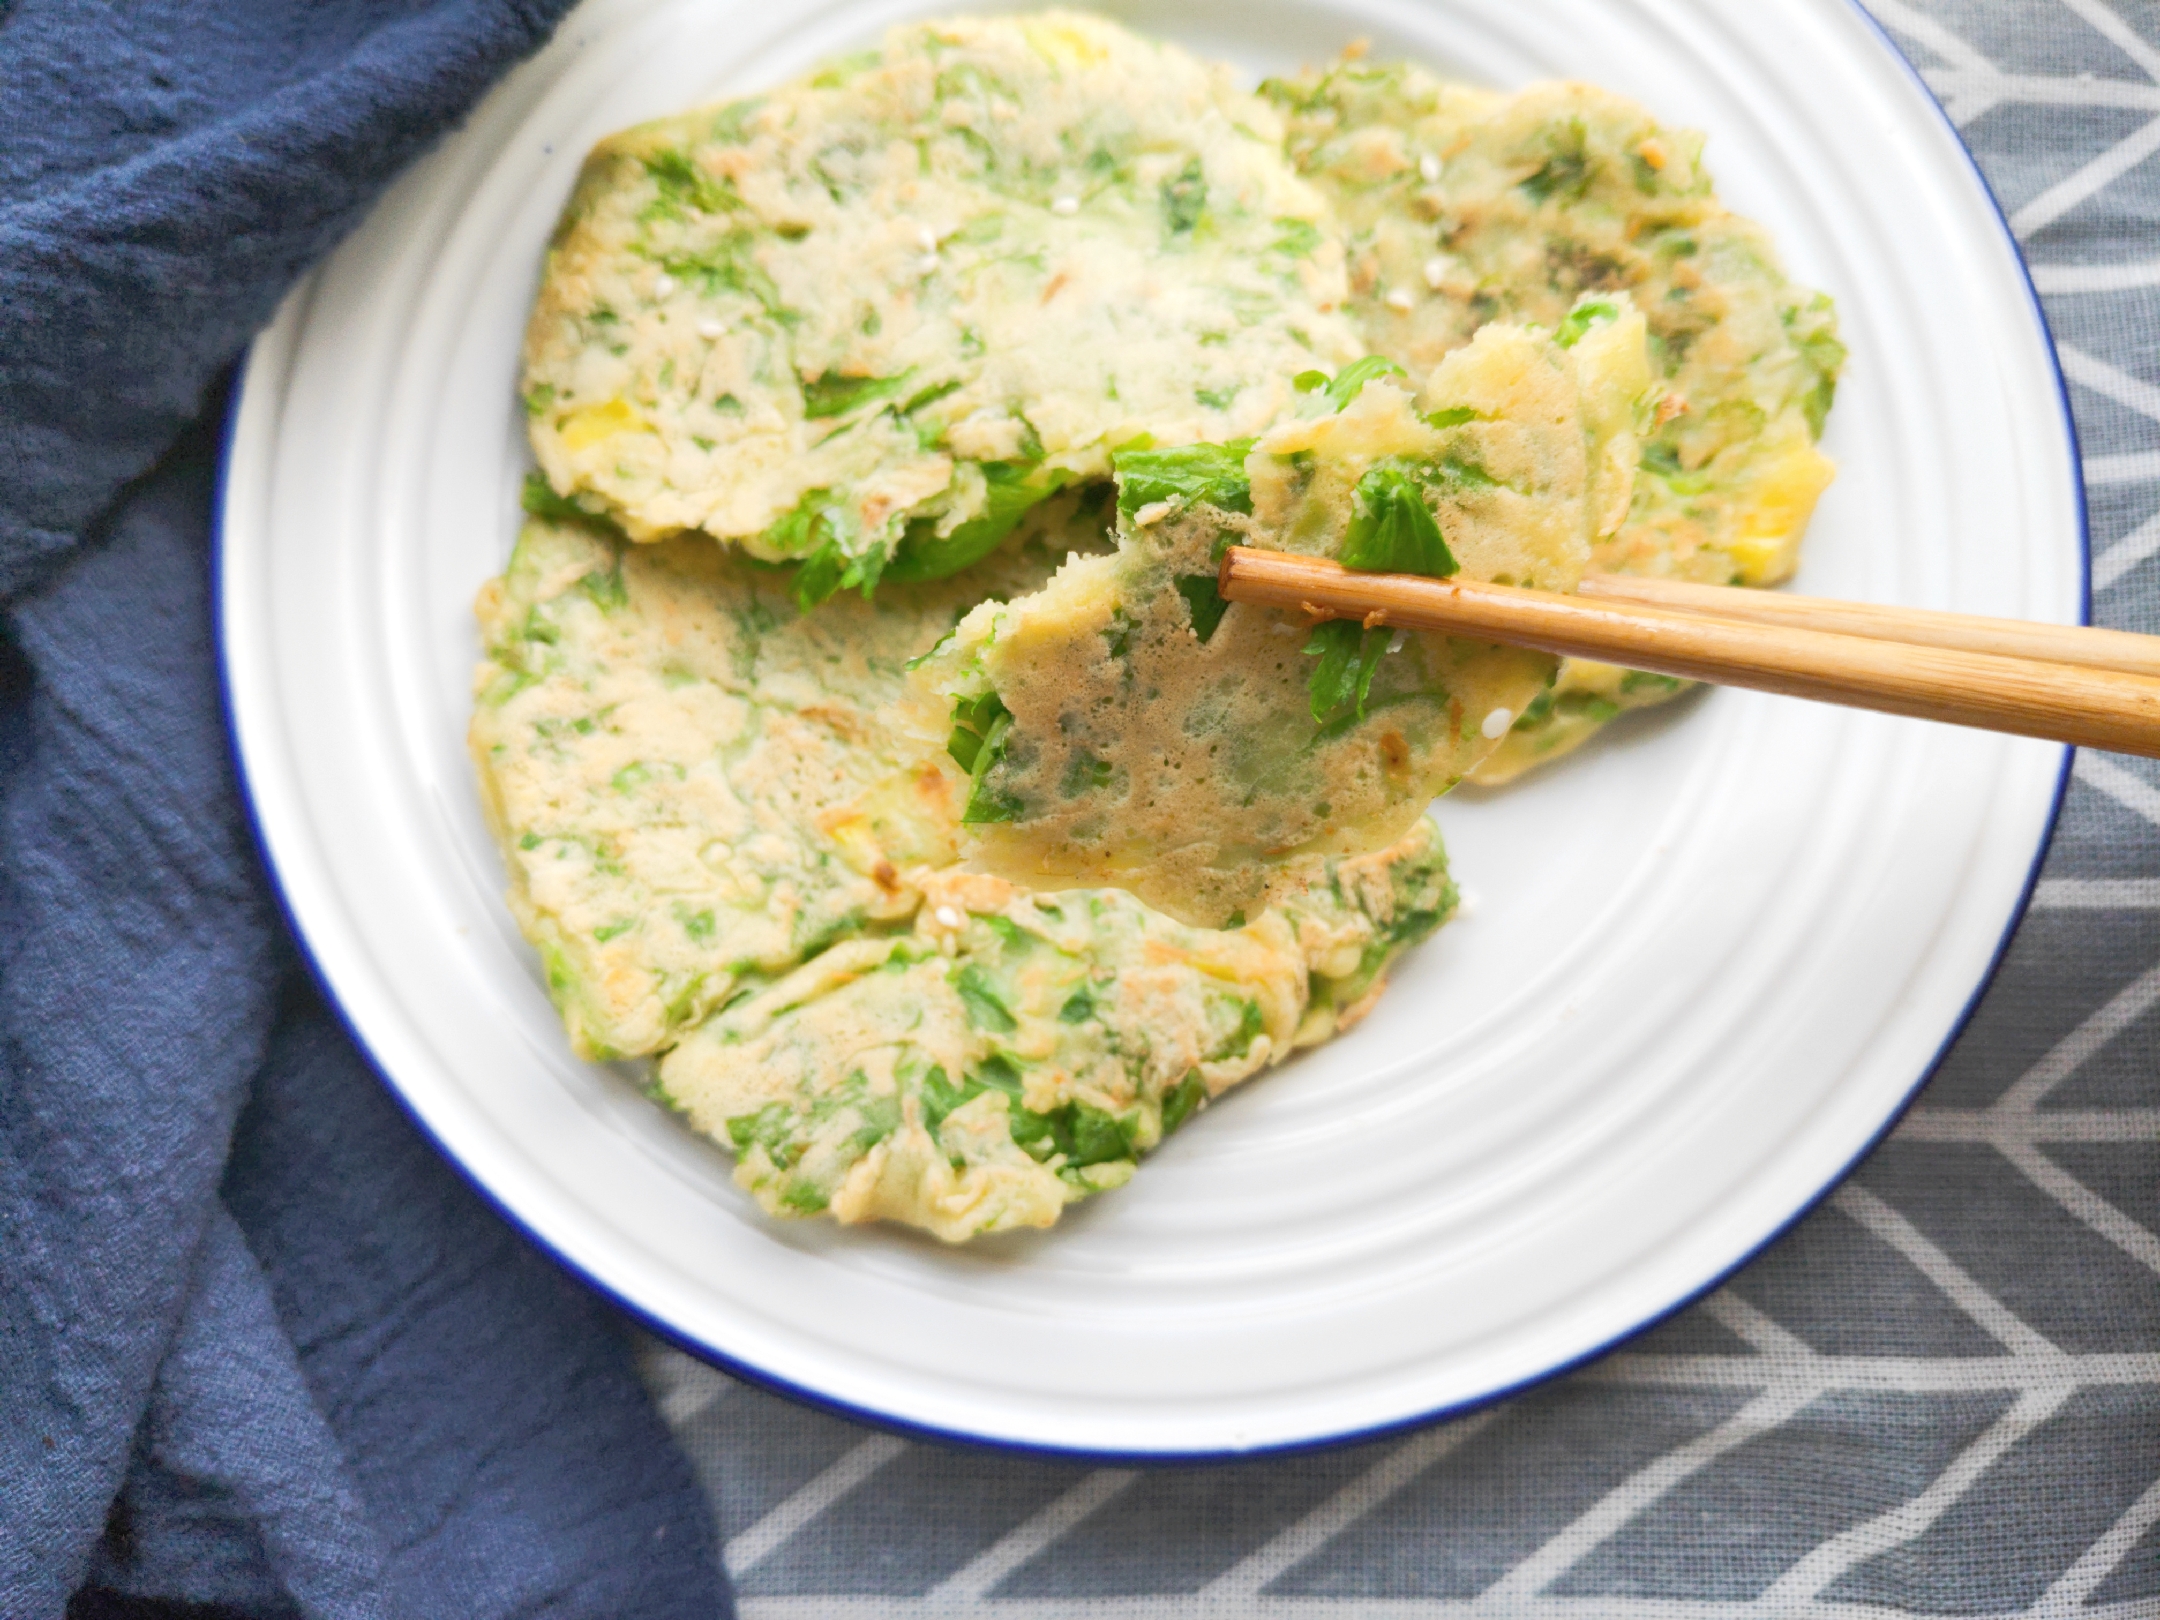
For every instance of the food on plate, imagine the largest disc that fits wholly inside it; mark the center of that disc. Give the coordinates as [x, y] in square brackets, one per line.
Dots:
[864, 321]
[1125, 725]
[1016, 1051]
[661, 738]
[1461, 205]
[667, 749]
[872, 754]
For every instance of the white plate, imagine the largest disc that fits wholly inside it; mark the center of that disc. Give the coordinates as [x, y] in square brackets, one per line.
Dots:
[1710, 960]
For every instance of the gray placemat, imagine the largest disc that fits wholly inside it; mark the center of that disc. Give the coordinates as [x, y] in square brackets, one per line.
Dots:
[1939, 1395]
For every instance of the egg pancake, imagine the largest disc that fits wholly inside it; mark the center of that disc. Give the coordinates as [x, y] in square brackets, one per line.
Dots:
[668, 750]
[862, 322]
[1125, 725]
[1462, 205]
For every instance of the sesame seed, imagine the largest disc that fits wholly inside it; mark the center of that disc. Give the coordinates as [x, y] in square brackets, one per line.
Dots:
[1154, 512]
[711, 331]
[663, 285]
[1065, 205]
[1436, 269]
[949, 918]
[1497, 722]
[1398, 641]
[1466, 902]
[1401, 301]
[1429, 167]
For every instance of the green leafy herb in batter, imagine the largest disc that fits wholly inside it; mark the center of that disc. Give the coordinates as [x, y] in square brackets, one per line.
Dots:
[1205, 602]
[1184, 198]
[1084, 773]
[985, 1008]
[1812, 326]
[1581, 318]
[1250, 1025]
[729, 265]
[1209, 474]
[801, 528]
[980, 728]
[1392, 530]
[1567, 174]
[605, 588]
[1351, 380]
[769, 1128]
[1180, 1103]
[1349, 656]
[1117, 635]
[835, 395]
[1300, 239]
[974, 720]
[833, 568]
[683, 185]
[540, 499]
[1010, 490]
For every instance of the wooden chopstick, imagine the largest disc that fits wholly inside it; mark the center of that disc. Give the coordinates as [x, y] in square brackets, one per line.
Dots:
[2006, 638]
[2093, 707]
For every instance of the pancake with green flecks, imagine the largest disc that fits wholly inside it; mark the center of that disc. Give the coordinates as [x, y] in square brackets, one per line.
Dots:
[1461, 205]
[862, 322]
[1124, 725]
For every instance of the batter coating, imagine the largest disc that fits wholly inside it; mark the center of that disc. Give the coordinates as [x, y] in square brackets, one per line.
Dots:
[1124, 725]
[1461, 206]
[667, 749]
[865, 321]
[1018, 1051]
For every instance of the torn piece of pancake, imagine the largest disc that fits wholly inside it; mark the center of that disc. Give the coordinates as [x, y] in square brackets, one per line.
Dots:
[1017, 1051]
[667, 750]
[1123, 725]
[865, 320]
[661, 738]
[1462, 206]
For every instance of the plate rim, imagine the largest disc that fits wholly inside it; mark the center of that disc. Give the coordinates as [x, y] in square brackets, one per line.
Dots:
[679, 1339]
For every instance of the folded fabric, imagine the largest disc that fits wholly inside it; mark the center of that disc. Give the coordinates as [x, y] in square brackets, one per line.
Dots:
[260, 1348]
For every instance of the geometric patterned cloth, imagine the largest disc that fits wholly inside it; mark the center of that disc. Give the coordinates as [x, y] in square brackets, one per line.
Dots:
[1938, 1395]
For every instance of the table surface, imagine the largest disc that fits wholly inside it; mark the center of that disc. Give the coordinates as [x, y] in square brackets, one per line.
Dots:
[1939, 1395]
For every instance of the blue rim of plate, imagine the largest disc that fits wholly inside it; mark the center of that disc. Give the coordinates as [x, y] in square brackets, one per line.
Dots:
[720, 1359]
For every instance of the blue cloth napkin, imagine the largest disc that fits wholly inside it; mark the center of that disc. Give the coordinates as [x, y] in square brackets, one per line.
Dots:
[261, 1351]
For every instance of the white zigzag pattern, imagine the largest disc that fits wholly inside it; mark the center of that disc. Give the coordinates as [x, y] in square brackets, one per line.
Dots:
[1783, 1374]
